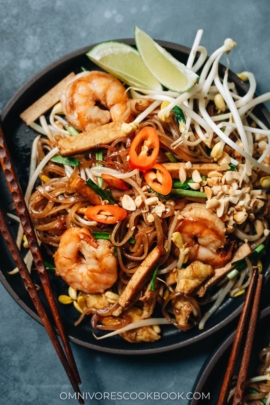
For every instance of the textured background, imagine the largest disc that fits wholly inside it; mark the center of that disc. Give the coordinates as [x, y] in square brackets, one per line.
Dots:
[34, 33]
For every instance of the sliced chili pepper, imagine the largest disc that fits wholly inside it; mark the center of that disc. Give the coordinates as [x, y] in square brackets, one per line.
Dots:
[114, 182]
[106, 214]
[144, 149]
[159, 179]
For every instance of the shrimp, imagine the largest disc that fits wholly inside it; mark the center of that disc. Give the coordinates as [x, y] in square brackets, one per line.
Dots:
[88, 97]
[84, 263]
[204, 235]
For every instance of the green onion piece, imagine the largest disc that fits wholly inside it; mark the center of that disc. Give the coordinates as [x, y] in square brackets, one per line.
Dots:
[132, 240]
[71, 130]
[204, 178]
[152, 285]
[65, 161]
[84, 69]
[251, 256]
[171, 157]
[99, 156]
[184, 186]
[49, 266]
[188, 193]
[232, 167]
[252, 391]
[101, 235]
[106, 236]
[241, 266]
[259, 248]
[164, 197]
[232, 274]
[104, 194]
[179, 115]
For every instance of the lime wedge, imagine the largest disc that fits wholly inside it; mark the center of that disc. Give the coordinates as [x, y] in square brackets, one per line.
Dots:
[173, 74]
[124, 62]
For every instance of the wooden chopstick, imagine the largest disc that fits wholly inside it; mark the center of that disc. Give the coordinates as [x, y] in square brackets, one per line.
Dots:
[246, 325]
[22, 211]
[31, 289]
[240, 386]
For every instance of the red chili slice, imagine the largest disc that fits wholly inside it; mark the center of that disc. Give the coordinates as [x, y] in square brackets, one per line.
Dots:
[114, 182]
[144, 149]
[106, 214]
[159, 179]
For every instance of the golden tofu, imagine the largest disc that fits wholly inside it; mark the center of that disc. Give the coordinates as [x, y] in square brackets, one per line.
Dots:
[46, 102]
[138, 279]
[105, 134]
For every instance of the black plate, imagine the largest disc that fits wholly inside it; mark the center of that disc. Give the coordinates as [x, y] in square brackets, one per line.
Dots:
[209, 383]
[19, 139]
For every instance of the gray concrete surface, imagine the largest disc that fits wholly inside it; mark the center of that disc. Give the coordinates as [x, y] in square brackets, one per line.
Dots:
[34, 33]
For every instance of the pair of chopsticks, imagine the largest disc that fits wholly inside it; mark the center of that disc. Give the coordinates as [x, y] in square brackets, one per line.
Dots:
[245, 330]
[64, 352]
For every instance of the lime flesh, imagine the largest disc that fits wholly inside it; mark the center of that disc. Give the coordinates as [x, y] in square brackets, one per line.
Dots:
[173, 74]
[124, 62]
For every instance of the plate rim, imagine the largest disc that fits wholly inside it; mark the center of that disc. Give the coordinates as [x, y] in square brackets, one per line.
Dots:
[8, 107]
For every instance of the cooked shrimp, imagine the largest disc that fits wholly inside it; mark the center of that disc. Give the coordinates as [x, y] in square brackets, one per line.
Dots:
[88, 97]
[204, 234]
[84, 263]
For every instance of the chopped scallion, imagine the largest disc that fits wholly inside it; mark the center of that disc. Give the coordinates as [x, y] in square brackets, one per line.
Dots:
[232, 274]
[152, 285]
[71, 130]
[183, 186]
[251, 256]
[104, 194]
[188, 193]
[101, 235]
[99, 156]
[171, 157]
[65, 161]
[106, 236]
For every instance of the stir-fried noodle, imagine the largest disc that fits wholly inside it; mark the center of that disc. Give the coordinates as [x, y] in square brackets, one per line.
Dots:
[170, 191]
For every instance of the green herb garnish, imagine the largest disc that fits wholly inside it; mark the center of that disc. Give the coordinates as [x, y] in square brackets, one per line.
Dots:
[232, 167]
[49, 266]
[179, 115]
